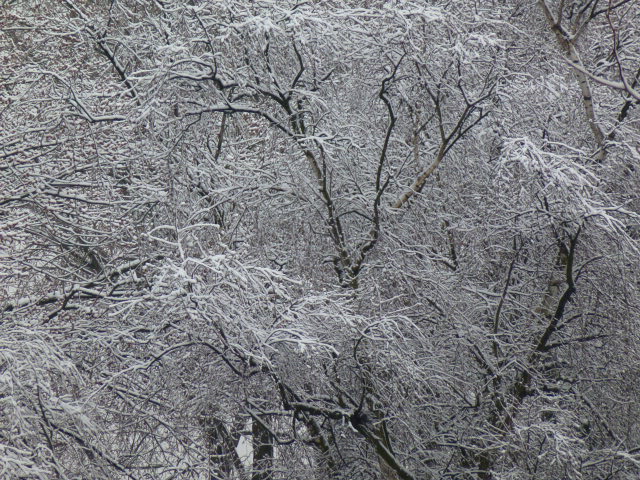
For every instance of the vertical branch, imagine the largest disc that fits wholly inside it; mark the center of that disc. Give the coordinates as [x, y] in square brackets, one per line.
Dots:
[629, 87]
[567, 44]
[567, 257]
[520, 389]
[380, 186]
[220, 444]
[496, 319]
[262, 451]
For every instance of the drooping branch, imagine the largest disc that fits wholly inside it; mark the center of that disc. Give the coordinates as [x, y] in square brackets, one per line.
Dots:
[89, 449]
[86, 289]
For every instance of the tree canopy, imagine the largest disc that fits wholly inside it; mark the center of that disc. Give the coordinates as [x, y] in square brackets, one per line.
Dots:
[291, 239]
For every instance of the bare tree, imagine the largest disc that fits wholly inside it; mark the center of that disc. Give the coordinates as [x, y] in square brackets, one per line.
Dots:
[291, 240]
